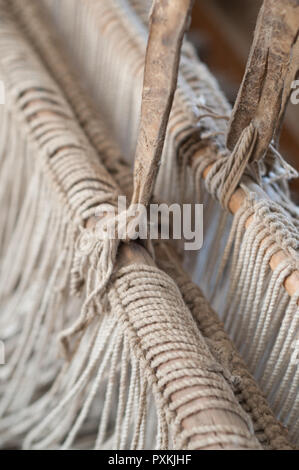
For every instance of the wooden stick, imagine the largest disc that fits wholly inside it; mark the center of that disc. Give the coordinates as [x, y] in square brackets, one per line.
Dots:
[168, 24]
[272, 66]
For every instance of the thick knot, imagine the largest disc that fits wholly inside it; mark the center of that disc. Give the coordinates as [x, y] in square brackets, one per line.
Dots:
[94, 261]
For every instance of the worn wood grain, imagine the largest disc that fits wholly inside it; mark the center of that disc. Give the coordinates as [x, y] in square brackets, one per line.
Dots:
[169, 21]
[272, 66]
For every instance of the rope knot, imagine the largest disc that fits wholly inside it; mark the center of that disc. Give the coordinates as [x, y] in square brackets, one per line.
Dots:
[94, 260]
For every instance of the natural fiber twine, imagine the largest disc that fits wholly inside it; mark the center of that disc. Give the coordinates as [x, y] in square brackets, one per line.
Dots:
[233, 266]
[138, 336]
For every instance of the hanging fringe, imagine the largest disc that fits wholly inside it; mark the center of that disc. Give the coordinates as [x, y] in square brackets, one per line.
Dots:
[58, 192]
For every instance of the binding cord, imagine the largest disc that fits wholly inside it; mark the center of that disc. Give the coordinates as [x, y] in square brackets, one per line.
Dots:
[226, 173]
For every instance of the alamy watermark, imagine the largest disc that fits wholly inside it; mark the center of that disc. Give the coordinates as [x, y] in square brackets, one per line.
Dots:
[158, 221]
[295, 93]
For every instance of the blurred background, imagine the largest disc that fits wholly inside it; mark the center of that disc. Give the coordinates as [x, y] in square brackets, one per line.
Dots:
[222, 31]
